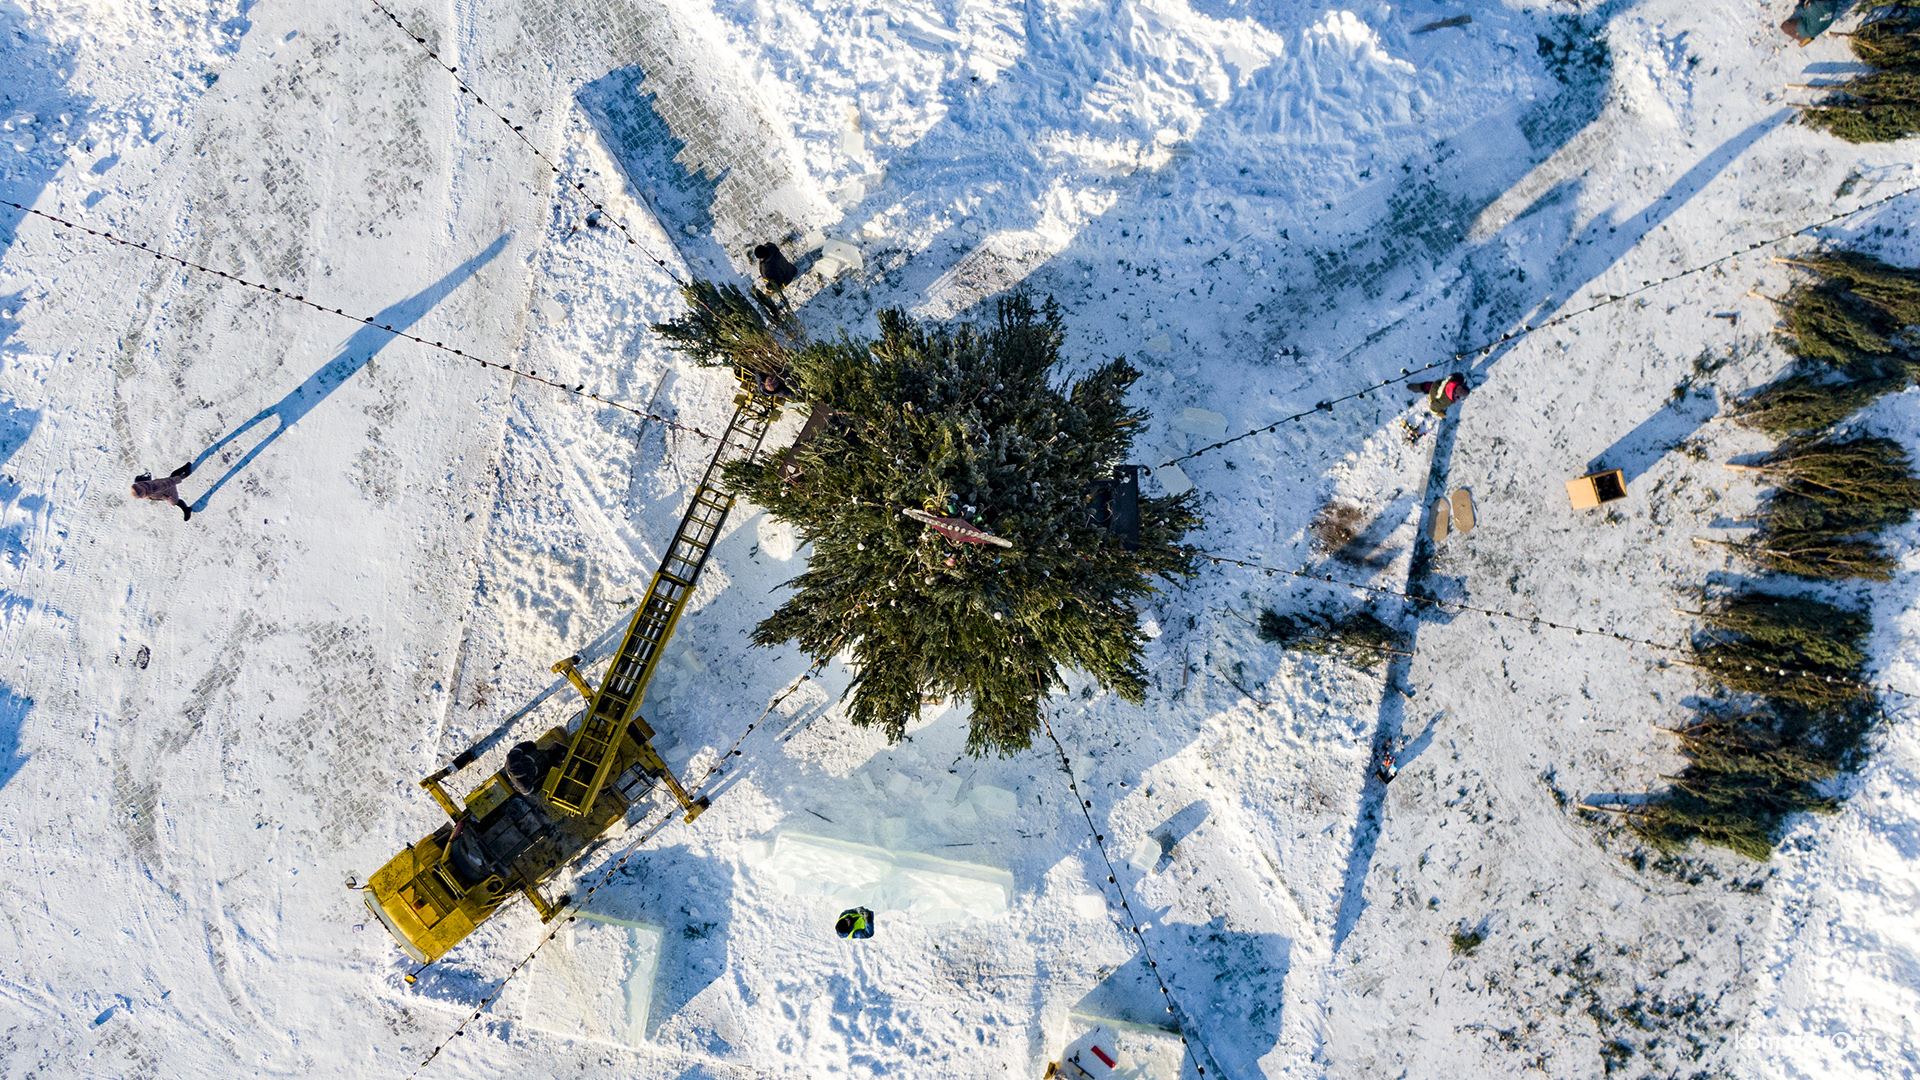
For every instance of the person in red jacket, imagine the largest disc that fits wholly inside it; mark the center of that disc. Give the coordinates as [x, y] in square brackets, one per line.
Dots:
[1441, 395]
[165, 490]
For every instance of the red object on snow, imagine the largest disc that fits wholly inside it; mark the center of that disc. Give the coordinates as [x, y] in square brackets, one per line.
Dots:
[1102, 1055]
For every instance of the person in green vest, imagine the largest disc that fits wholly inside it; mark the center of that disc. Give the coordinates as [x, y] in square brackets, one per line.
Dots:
[854, 923]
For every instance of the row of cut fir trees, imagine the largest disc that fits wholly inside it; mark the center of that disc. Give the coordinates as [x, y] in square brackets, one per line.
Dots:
[1883, 103]
[1794, 707]
[966, 422]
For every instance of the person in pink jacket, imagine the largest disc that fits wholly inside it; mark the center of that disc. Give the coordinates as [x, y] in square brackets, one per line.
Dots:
[1441, 394]
[165, 490]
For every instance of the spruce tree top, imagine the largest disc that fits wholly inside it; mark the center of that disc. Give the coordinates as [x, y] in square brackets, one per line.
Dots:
[959, 421]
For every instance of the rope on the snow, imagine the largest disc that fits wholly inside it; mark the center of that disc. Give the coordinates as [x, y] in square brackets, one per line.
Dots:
[1132, 921]
[1527, 328]
[519, 132]
[1535, 620]
[579, 391]
[647, 834]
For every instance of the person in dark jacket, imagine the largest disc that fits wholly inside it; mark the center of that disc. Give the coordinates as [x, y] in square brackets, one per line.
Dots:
[165, 490]
[1441, 395]
[1810, 20]
[775, 270]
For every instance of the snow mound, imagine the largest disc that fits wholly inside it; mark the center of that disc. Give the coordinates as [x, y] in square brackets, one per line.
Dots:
[923, 888]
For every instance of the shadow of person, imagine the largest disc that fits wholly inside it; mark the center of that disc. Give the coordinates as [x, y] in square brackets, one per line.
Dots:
[360, 348]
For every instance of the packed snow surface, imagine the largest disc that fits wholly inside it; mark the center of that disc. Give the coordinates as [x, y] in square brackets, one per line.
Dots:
[208, 728]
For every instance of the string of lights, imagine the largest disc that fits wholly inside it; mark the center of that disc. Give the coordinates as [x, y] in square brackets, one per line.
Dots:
[579, 391]
[519, 132]
[1529, 328]
[1535, 620]
[1132, 921]
[613, 868]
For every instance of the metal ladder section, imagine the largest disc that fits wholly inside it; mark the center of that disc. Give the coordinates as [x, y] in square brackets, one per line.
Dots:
[576, 783]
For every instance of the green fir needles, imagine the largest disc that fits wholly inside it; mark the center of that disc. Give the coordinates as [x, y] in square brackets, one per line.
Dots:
[1801, 403]
[1787, 648]
[1854, 325]
[1883, 104]
[1749, 768]
[1358, 636]
[1829, 497]
[725, 327]
[962, 422]
[1744, 776]
[1856, 316]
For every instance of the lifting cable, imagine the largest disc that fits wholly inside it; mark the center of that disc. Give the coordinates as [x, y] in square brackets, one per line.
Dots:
[579, 391]
[1526, 328]
[612, 869]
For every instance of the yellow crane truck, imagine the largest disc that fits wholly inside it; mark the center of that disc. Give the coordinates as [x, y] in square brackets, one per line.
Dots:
[557, 794]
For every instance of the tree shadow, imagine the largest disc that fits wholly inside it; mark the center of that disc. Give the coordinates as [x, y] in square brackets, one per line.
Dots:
[652, 158]
[1228, 985]
[13, 716]
[1658, 435]
[354, 355]
[688, 897]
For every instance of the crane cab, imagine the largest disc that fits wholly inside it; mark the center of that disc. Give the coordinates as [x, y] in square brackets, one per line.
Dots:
[502, 840]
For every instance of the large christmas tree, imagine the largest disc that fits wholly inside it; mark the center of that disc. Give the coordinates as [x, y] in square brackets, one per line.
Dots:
[956, 422]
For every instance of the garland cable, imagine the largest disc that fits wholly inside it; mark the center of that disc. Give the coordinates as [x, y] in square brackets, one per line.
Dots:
[1526, 328]
[520, 133]
[579, 391]
[1132, 921]
[1535, 620]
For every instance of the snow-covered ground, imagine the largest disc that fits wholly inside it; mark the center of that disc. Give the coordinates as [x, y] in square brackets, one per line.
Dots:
[207, 728]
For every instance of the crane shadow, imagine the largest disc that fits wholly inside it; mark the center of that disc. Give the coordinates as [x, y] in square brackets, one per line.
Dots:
[354, 355]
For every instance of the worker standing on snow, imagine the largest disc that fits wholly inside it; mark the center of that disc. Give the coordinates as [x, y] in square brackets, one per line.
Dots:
[855, 923]
[165, 490]
[1441, 395]
[775, 269]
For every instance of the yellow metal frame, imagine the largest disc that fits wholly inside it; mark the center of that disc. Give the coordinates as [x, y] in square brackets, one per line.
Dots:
[416, 896]
[573, 785]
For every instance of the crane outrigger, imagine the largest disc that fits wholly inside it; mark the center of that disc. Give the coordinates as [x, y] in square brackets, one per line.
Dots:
[557, 794]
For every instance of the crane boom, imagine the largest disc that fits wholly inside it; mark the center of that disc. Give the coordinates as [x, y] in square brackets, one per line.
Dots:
[573, 785]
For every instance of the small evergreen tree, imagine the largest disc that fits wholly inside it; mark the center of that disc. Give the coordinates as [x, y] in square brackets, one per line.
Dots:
[1803, 403]
[959, 421]
[725, 327]
[1815, 554]
[1358, 636]
[1830, 493]
[1856, 316]
[1744, 777]
[1866, 472]
[1787, 648]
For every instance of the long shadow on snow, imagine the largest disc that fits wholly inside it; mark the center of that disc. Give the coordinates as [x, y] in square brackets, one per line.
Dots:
[1424, 224]
[360, 348]
[648, 152]
[1581, 264]
[13, 717]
